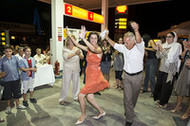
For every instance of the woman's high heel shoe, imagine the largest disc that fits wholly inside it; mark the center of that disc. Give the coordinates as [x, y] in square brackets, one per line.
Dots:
[2, 120]
[99, 116]
[176, 110]
[162, 106]
[80, 122]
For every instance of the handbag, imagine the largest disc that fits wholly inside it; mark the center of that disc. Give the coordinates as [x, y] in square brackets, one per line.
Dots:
[1, 89]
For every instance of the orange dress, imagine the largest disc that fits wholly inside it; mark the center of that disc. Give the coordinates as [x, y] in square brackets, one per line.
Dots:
[94, 78]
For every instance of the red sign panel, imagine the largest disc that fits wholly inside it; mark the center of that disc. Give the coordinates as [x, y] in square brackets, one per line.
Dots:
[83, 14]
[90, 16]
[60, 33]
[68, 9]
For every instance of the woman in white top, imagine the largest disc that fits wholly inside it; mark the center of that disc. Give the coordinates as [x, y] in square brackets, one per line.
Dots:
[71, 70]
[169, 54]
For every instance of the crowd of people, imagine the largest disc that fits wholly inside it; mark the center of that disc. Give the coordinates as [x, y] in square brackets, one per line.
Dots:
[17, 68]
[162, 61]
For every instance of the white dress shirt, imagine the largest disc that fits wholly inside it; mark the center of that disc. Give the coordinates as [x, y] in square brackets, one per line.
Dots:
[133, 58]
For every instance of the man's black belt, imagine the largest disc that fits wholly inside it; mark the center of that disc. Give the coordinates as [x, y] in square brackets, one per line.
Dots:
[133, 74]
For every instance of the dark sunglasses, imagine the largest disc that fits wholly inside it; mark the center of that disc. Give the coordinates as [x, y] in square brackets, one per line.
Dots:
[169, 36]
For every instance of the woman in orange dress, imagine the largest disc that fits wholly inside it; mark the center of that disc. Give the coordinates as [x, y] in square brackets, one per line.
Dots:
[94, 78]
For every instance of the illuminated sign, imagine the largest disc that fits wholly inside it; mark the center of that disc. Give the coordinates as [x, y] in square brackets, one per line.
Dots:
[121, 22]
[122, 19]
[12, 37]
[90, 16]
[3, 38]
[2, 33]
[122, 27]
[3, 43]
[121, 9]
[80, 13]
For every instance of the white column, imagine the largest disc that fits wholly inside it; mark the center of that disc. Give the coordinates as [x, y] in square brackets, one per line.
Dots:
[57, 10]
[105, 7]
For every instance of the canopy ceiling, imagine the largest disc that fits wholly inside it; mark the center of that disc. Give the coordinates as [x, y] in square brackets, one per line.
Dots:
[182, 29]
[96, 4]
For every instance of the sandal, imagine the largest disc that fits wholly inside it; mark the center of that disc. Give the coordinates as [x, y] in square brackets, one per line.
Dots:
[185, 116]
[176, 110]
[116, 87]
[62, 103]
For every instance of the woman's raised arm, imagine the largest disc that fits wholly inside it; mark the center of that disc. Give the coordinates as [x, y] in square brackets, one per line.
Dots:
[74, 41]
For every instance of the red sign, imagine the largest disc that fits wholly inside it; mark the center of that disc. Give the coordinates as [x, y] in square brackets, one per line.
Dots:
[60, 33]
[80, 13]
[121, 9]
[90, 16]
[68, 9]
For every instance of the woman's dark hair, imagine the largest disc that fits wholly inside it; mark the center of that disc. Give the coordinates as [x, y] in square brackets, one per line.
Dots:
[91, 33]
[172, 33]
[102, 43]
[146, 39]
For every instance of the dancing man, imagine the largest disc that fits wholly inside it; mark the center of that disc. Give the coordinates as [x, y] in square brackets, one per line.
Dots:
[133, 52]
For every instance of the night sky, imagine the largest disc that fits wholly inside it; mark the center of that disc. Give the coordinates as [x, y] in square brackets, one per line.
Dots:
[155, 17]
[152, 17]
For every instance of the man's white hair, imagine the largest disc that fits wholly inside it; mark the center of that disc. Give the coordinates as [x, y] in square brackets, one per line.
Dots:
[131, 35]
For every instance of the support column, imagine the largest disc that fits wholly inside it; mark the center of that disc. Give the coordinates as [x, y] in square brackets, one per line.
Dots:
[56, 42]
[105, 7]
[7, 37]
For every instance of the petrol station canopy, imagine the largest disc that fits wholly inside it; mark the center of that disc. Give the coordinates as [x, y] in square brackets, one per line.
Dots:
[96, 4]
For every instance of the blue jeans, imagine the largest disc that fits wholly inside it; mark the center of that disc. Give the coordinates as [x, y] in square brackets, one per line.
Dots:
[150, 70]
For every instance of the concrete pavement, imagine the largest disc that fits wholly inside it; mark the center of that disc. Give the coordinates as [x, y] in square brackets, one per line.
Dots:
[48, 111]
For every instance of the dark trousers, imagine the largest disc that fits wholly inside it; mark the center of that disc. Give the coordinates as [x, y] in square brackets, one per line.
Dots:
[162, 89]
[150, 70]
[118, 75]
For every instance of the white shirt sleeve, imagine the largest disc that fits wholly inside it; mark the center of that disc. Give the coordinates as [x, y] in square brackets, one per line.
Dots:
[140, 46]
[119, 47]
[42, 57]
